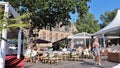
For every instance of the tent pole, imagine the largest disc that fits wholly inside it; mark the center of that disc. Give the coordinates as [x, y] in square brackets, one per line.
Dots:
[100, 41]
[3, 42]
[104, 41]
[19, 43]
[23, 44]
[84, 40]
[19, 37]
[72, 43]
[89, 42]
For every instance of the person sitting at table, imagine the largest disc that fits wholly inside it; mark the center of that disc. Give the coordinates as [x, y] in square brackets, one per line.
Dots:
[28, 54]
[86, 52]
[34, 55]
[64, 49]
[108, 49]
[69, 49]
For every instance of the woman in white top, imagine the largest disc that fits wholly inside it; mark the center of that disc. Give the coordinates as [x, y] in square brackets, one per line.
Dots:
[96, 47]
[34, 55]
[28, 53]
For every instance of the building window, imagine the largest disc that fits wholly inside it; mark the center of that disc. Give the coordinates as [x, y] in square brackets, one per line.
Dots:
[44, 33]
[56, 34]
[61, 35]
[66, 35]
[50, 38]
[44, 38]
[50, 34]
[56, 38]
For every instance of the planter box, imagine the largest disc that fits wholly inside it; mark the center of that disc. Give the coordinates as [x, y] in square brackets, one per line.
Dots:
[115, 57]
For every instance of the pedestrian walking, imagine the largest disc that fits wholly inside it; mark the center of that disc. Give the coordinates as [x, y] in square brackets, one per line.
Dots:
[96, 49]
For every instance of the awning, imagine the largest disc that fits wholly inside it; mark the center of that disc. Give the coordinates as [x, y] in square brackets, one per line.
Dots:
[82, 35]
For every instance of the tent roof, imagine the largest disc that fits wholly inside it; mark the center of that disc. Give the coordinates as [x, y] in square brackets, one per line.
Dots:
[114, 25]
[80, 35]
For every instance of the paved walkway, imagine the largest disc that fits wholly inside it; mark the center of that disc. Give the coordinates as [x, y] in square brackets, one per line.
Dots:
[83, 63]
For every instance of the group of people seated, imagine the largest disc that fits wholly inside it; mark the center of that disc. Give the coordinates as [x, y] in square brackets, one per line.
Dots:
[31, 54]
[85, 52]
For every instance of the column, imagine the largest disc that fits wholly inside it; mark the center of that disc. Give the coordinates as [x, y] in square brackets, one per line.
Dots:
[3, 42]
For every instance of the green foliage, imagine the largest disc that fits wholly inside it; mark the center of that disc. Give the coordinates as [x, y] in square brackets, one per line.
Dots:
[75, 33]
[24, 16]
[11, 23]
[62, 45]
[107, 17]
[87, 24]
[49, 13]
[18, 25]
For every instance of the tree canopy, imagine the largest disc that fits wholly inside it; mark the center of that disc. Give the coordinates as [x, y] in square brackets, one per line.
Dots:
[88, 24]
[107, 17]
[49, 13]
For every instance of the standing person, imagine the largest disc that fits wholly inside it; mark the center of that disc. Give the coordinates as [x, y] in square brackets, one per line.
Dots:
[96, 47]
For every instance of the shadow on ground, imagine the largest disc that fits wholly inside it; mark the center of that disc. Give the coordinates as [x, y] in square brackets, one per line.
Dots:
[91, 64]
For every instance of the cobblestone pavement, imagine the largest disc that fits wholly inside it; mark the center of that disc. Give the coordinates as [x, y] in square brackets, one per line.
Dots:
[83, 63]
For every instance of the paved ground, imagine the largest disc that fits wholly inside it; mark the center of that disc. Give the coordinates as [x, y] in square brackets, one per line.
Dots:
[83, 63]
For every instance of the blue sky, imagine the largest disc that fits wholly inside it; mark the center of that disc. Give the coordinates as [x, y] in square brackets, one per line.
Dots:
[98, 7]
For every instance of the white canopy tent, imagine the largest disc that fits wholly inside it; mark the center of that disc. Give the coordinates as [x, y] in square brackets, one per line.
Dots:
[108, 37]
[112, 29]
[8, 8]
[82, 35]
[113, 26]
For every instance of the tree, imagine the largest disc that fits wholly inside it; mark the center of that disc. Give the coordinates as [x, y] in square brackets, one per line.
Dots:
[49, 13]
[107, 17]
[87, 24]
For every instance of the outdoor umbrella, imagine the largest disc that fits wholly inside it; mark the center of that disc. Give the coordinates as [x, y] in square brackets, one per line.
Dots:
[42, 41]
